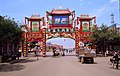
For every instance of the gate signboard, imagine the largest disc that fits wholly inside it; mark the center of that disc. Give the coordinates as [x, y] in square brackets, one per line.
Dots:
[35, 26]
[60, 20]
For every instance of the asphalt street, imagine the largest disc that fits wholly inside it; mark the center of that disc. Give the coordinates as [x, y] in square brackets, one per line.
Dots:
[59, 66]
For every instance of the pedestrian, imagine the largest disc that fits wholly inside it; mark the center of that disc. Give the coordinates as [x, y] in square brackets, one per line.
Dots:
[116, 59]
[106, 53]
[38, 53]
[63, 53]
[35, 50]
[54, 52]
[79, 57]
[19, 52]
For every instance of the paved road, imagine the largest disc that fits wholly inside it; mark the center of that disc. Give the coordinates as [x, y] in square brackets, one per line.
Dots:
[62, 66]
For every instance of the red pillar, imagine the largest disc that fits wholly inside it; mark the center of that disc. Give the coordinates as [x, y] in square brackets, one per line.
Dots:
[76, 40]
[44, 43]
[25, 44]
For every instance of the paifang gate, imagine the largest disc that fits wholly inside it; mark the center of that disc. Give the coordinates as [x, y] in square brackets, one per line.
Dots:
[59, 23]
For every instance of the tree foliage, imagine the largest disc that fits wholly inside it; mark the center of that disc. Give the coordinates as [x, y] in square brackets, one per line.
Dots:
[9, 30]
[104, 37]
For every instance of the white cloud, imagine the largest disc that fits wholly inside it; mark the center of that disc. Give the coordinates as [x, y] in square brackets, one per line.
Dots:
[112, 1]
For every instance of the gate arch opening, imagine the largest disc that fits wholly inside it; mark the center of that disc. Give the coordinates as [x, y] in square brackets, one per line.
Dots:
[66, 45]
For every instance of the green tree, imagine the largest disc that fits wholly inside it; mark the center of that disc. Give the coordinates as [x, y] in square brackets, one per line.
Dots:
[103, 38]
[10, 32]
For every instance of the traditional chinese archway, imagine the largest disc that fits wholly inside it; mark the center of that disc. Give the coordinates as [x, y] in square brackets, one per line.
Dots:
[60, 23]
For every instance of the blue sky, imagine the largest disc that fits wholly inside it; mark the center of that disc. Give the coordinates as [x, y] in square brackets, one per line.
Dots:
[102, 9]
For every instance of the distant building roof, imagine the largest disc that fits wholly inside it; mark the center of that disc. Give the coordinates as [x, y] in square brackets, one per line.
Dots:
[35, 17]
[57, 46]
[112, 27]
[83, 16]
[48, 44]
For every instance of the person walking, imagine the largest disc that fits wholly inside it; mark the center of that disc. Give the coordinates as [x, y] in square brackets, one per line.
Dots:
[54, 52]
[38, 52]
[19, 52]
[116, 59]
[35, 50]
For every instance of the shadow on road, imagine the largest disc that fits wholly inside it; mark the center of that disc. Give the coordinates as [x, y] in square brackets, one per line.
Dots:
[26, 61]
[11, 67]
[70, 55]
[111, 67]
[114, 68]
[60, 55]
[89, 63]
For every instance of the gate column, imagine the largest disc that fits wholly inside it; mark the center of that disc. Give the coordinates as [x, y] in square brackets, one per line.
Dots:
[25, 51]
[76, 40]
[44, 43]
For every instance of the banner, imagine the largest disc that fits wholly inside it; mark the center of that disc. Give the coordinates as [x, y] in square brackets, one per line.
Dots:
[60, 20]
[35, 26]
[85, 26]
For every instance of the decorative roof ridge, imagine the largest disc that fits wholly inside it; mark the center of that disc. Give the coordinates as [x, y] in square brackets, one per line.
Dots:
[60, 9]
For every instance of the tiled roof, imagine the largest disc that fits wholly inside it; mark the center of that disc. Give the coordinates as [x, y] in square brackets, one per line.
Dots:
[60, 12]
[57, 46]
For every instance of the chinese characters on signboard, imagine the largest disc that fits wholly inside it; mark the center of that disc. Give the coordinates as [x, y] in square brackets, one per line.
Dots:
[60, 20]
